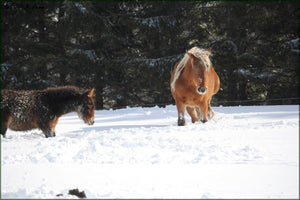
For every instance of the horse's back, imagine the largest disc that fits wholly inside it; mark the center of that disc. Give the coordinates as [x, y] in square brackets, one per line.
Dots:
[17, 100]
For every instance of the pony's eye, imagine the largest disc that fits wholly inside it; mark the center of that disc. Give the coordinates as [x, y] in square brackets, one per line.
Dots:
[90, 105]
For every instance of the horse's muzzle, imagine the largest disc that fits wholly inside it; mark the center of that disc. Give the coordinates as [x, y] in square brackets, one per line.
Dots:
[91, 122]
[201, 90]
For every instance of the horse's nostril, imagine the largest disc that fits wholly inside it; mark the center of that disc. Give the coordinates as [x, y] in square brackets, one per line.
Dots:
[91, 122]
[202, 90]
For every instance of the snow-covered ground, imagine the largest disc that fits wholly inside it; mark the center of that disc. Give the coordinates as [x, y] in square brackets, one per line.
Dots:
[245, 152]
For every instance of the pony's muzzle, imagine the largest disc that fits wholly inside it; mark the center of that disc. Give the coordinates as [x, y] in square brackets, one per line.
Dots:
[201, 90]
[91, 122]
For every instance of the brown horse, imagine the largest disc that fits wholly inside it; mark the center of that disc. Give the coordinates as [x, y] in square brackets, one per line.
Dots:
[193, 83]
[26, 110]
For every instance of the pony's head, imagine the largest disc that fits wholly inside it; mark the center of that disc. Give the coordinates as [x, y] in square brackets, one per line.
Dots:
[200, 64]
[86, 109]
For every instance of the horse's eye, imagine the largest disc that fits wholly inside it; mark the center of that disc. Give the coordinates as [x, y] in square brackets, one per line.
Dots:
[90, 105]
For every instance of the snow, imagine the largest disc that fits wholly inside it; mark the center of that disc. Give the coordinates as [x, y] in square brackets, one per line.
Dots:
[247, 72]
[293, 45]
[244, 152]
[80, 7]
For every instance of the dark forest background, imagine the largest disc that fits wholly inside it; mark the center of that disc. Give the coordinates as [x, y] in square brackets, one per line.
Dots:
[127, 50]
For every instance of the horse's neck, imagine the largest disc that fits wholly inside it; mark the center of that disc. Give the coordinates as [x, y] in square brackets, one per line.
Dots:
[67, 108]
[63, 104]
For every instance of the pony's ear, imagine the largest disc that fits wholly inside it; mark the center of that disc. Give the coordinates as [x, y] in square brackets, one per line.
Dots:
[193, 58]
[208, 53]
[191, 55]
[89, 92]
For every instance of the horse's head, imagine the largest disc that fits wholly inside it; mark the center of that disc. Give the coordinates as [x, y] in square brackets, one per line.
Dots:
[200, 64]
[86, 109]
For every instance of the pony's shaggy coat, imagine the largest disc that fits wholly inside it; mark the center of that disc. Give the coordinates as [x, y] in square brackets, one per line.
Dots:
[193, 83]
[26, 110]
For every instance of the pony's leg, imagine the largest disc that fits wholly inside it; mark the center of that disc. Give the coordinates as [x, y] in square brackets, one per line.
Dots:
[181, 111]
[5, 121]
[203, 116]
[192, 112]
[210, 111]
[48, 133]
[48, 126]
[46, 129]
[199, 113]
[3, 130]
[52, 125]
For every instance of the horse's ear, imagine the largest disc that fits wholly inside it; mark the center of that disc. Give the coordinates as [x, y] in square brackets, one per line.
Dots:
[208, 53]
[92, 92]
[89, 92]
[191, 55]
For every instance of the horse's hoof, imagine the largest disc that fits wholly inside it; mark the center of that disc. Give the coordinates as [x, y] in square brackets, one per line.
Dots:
[181, 122]
[49, 135]
[91, 122]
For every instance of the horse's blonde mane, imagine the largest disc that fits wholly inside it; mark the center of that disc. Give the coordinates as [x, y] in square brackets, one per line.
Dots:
[201, 54]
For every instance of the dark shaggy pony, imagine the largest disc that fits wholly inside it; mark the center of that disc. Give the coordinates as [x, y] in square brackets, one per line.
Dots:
[26, 110]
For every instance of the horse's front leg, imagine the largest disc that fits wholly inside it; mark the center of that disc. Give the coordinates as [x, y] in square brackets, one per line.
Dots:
[193, 113]
[203, 115]
[48, 133]
[181, 111]
[45, 126]
[53, 124]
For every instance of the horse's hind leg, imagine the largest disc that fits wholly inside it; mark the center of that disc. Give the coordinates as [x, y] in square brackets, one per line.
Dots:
[192, 112]
[210, 111]
[5, 121]
[3, 130]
